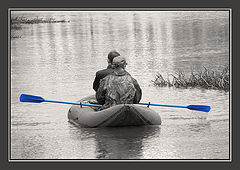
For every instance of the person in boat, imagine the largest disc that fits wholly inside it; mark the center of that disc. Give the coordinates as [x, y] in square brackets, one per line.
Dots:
[119, 87]
[103, 73]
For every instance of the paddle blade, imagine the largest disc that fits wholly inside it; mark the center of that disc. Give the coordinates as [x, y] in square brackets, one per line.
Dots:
[31, 98]
[202, 108]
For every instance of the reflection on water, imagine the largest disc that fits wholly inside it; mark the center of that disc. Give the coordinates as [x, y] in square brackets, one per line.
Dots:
[121, 143]
[59, 61]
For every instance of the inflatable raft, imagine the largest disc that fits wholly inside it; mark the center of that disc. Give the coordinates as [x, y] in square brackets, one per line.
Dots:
[119, 115]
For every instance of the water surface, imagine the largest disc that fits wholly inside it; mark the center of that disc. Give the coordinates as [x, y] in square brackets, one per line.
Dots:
[58, 61]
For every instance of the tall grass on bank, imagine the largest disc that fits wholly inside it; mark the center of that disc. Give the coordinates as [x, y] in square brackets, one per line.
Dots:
[16, 23]
[207, 79]
[36, 20]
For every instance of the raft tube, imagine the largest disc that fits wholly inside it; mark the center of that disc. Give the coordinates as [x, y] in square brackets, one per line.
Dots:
[115, 116]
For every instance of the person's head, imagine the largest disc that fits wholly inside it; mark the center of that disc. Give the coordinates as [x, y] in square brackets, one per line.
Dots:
[112, 55]
[119, 62]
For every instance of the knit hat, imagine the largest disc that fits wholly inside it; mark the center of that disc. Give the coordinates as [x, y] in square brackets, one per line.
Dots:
[119, 61]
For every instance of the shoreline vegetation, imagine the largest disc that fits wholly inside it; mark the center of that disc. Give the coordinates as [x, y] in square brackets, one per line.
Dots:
[16, 22]
[36, 20]
[207, 79]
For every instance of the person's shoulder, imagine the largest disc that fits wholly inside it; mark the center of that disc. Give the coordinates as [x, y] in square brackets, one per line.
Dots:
[104, 71]
[109, 76]
[105, 79]
[100, 71]
[128, 74]
[134, 80]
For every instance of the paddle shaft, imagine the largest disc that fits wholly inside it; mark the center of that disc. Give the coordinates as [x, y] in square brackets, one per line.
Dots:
[166, 105]
[64, 102]
[151, 104]
[190, 107]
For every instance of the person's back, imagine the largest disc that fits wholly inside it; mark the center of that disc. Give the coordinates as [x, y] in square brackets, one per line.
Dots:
[118, 88]
[100, 75]
[103, 73]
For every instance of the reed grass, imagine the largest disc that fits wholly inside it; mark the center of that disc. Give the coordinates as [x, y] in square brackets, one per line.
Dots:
[206, 78]
[16, 23]
[36, 20]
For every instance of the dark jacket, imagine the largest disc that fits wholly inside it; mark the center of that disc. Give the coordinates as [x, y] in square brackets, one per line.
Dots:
[118, 89]
[100, 75]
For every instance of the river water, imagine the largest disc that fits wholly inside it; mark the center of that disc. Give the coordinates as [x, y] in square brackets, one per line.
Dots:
[58, 61]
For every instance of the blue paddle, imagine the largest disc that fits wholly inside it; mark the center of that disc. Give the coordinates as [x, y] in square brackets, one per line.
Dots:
[38, 99]
[202, 108]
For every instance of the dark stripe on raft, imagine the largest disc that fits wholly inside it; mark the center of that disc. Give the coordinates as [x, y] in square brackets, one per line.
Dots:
[146, 122]
[142, 117]
[113, 115]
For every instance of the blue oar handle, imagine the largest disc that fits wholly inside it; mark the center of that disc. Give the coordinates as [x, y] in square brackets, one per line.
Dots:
[84, 104]
[166, 105]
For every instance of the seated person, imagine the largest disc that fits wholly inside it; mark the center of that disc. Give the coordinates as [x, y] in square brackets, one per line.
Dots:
[103, 73]
[119, 87]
